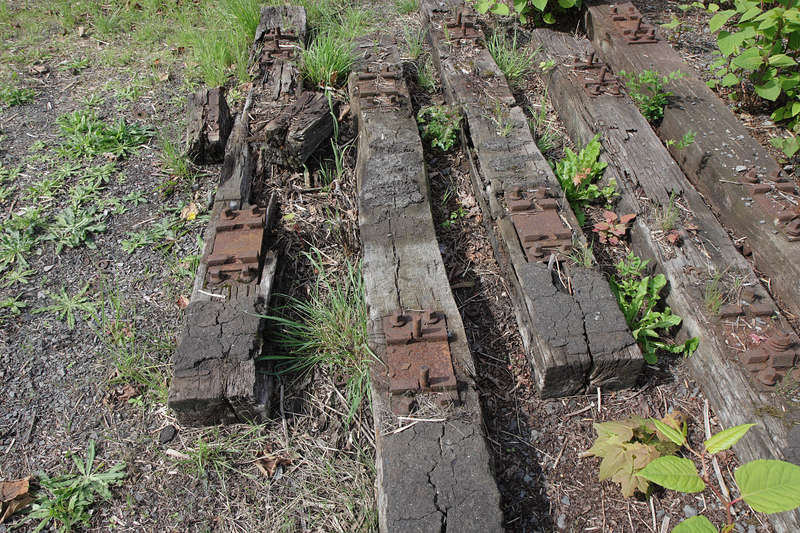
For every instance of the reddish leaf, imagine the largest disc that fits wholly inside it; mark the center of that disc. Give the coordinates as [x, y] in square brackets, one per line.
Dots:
[624, 219]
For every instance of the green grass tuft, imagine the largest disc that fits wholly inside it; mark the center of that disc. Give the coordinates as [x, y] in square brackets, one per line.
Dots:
[327, 60]
[328, 329]
[513, 61]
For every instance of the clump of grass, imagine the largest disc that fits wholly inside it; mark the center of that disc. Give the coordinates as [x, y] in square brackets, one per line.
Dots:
[327, 60]
[667, 216]
[513, 61]
[405, 7]
[426, 79]
[328, 329]
[85, 135]
[414, 42]
[713, 295]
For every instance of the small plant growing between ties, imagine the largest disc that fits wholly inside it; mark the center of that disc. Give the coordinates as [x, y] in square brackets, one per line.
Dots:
[512, 61]
[439, 125]
[637, 452]
[578, 173]
[626, 447]
[613, 228]
[538, 10]
[638, 297]
[683, 142]
[647, 91]
[713, 295]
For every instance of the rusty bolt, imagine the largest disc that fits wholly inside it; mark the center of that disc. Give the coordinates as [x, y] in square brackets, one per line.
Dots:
[432, 318]
[398, 319]
[590, 59]
[516, 193]
[793, 228]
[424, 377]
[614, 10]
[603, 72]
[780, 342]
[614, 89]
[768, 376]
[417, 325]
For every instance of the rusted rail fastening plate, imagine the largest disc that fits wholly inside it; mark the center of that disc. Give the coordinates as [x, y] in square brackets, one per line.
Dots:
[539, 226]
[418, 356]
[238, 245]
[774, 358]
[279, 45]
[383, 88]
[628, 21]
[773, 199]
[597, 78]
[463, 24]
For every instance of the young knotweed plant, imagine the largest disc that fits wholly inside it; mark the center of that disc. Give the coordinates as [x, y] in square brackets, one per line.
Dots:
[766, 485]
[613, 228]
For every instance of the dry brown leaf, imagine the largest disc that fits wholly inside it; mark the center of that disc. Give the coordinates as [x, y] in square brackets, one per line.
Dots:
[190, 211]
[81, 31]
[14, 496]
[177, 455]
[182, 302]
[269, 463]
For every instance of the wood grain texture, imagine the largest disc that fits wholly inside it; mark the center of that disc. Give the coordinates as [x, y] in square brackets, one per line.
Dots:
[568, 353]
[722, 143]
[648, 176]
[208, 125]
[434, 476]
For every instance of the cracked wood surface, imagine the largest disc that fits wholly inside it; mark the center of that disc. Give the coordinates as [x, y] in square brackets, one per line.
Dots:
[208, 125]
[215, 378]
[722, 143]
[432, 476]
[574, 341]
[647, 176]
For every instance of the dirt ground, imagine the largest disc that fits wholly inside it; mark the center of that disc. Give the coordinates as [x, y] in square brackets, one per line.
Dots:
[105, 379]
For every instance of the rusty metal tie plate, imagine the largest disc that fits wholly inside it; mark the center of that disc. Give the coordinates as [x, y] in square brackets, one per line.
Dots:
[596, 77]
[277, 45]
[236, 255]
[535, 217]
[418, 352]
[628, 21]
[463, 25]
[772, 200]
[382, 88]
[771, 360]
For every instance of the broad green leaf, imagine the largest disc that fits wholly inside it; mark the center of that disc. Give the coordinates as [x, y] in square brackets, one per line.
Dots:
[483, 6]
[730, 80]
[719, 19]
[770, 90]
[749, 59]
[674, 473]
[768, 485]
[539, 4]
[548, 18]
[727, 438]
[712, 8]
[520, 5]
[501, 9]
[675, 435]
[781, 60]
[750, 13]
[695, 524]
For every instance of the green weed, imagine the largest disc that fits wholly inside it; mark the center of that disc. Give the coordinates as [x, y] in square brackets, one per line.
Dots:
[87, 136]
[65, 500]
[13, 96]
[578, 173]
[73, 227]
[66, 307]
[440, 124]
[638, 296]
[12, 306]
[647, 91]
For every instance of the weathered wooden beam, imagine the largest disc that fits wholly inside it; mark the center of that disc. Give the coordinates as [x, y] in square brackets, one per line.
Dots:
[650, 181]
[208, 126]
[718, 158]
[433, 475]
[215, 378]
[573, 331]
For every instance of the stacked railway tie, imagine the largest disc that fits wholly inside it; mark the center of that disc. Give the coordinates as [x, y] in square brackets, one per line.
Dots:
[746, 188]
[650, 182]
[574, 333]
[216, 379]
[433, 472]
